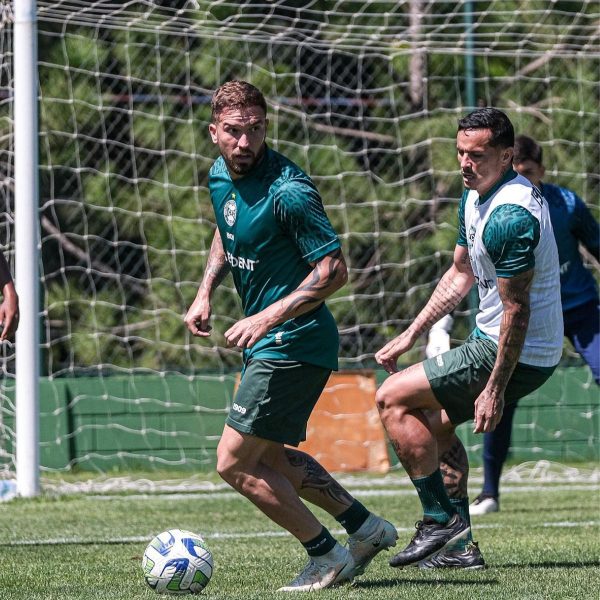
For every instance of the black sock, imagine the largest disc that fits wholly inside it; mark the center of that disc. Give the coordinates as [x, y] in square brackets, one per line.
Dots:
[353, 517]
[320, 545]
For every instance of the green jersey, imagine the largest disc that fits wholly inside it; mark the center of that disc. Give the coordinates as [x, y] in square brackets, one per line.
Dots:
[273, 225]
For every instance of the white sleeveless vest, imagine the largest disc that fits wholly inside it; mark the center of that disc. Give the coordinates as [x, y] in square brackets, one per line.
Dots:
[544, 339]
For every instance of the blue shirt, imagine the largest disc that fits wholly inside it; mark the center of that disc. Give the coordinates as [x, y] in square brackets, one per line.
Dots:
[573, 223]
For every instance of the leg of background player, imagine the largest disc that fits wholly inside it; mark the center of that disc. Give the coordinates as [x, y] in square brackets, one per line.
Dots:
[495, 450]
[582, 327]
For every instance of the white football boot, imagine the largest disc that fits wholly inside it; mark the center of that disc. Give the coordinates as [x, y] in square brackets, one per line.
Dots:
[331, 569]
[374, 535]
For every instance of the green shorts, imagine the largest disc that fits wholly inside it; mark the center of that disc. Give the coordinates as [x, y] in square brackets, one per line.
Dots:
[275, 398]
[458, 376]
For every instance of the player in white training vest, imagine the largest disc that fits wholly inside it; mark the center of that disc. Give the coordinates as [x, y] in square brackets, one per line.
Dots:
[506, 247]
[543, 341]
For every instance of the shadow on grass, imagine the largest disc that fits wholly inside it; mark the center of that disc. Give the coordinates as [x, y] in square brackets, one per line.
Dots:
[479, 580]
[384, 583]
[548, 564]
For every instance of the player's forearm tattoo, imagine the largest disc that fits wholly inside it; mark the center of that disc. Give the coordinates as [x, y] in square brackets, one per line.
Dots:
[514, 293]
[445, 298]
[217, 266]
[316, 478]
[320, 285]
[454, 465]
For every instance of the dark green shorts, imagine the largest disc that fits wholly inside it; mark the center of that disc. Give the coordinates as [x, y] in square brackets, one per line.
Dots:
[275, 399]
[458, 376]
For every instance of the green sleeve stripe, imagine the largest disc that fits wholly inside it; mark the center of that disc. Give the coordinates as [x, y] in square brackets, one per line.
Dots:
[322, 251]
[510, 236]
[513, 272]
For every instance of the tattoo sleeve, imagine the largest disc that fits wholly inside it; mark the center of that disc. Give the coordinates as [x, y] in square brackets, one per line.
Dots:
[328, 275]
[514, 293]
[451, 289]
[217, 266]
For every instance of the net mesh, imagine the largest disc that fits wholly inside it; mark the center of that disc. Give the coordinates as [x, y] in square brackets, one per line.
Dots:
[363, 95]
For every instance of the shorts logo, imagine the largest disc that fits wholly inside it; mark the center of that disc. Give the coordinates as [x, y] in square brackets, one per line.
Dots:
[241, 409]
[279, 338]
[439, 360]
[230, 211]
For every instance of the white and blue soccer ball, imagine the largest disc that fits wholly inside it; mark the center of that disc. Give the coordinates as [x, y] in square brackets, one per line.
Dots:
[177, 562]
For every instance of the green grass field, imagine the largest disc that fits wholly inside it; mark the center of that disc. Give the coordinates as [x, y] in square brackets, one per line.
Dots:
[544, 544]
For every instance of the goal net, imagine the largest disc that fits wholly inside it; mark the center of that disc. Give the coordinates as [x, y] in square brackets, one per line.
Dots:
[363, 95]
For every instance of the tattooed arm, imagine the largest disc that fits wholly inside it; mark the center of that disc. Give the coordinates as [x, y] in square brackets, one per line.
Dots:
[328, 275]
[217, 267]
[514, 293]
[451, 289]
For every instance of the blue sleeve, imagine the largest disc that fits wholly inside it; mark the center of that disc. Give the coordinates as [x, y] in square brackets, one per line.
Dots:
[510, 237]
[585, 228]
[300, 214]
[462, 233]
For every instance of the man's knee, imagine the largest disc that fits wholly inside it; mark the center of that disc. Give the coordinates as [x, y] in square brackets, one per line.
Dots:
[404, 392]
[390, 402]
[227, 464]
[234, 456]
[238, 472]
[399, 395]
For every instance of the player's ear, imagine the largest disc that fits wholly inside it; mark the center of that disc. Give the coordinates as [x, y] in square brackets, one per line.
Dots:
[507, 156]
[212, 128]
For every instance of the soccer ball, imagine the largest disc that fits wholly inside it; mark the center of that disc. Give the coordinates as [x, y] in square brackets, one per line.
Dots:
[177, 562]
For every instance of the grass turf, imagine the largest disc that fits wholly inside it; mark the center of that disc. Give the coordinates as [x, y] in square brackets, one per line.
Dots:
[544, 544]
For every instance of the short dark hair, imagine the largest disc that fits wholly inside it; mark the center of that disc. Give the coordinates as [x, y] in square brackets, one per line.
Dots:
[503, 132]
[527, 148]
[236, 94]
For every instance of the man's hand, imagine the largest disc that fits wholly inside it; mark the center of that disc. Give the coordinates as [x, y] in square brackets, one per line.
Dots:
[9, 312]
[248, 331]
[489, 407]
[198, 316]
[387, 357]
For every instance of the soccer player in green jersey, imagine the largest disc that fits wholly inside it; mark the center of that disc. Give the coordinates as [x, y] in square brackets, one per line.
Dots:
[274, 237]
[506, 247]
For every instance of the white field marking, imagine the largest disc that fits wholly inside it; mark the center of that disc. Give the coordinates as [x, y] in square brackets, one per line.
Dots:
[355, 492]
[259, 534]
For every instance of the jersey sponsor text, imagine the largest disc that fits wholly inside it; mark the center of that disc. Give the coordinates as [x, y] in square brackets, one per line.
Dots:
[240, 262]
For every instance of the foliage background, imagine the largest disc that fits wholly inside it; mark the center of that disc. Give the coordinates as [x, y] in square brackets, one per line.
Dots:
[365, 97]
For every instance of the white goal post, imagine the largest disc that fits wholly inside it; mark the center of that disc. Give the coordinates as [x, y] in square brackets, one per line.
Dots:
[27, 261]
